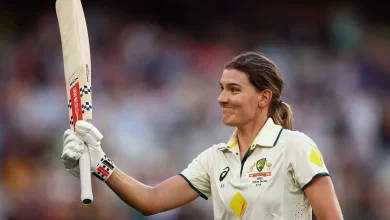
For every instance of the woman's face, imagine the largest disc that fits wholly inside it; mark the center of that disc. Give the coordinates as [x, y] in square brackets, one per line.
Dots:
[239, 99]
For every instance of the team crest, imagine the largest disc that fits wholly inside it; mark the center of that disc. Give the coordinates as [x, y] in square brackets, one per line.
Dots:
[260, 164]
[260, 177]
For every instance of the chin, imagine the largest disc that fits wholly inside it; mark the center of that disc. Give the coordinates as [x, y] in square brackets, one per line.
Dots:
[230, 123]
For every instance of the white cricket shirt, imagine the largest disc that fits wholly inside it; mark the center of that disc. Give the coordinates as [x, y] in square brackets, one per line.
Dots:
[267, 184]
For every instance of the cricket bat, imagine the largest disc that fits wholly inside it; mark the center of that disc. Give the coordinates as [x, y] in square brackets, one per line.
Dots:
[77, 69]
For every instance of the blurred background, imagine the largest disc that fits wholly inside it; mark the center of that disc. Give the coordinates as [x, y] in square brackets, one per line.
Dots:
[156, 67]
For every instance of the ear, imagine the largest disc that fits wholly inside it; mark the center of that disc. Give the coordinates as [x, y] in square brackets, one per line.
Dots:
[265, 98]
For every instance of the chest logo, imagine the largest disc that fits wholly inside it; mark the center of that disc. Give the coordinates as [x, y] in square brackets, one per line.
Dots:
[224, 173]
[260, 164]
[260, 175]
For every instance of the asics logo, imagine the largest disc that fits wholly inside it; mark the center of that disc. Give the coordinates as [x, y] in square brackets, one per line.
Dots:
[224, 173]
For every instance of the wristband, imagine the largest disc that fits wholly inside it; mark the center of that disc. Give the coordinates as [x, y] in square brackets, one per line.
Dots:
[104, 169]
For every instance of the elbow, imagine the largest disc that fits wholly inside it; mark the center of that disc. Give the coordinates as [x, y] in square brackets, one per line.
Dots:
[148, 213]
[151, 208]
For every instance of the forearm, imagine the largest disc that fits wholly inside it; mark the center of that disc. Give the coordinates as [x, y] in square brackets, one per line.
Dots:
[132, 192]
[167, 195]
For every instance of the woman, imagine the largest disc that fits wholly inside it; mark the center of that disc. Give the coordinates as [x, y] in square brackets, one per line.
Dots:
[265, 171]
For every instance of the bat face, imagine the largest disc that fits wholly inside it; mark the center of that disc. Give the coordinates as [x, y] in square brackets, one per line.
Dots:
[77, 60]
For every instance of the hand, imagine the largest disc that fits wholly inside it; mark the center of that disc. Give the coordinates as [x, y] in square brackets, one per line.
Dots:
[74, 145]
[72, 149]
[92, 137]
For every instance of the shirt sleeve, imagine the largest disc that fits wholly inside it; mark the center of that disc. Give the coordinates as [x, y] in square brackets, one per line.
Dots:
[197, 174]
[306, 162]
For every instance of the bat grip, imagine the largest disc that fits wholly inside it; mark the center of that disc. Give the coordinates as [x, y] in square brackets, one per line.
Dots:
[85, 177]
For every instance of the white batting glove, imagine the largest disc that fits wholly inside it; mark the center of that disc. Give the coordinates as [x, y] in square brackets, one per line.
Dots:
[71, 153]
[74, 145]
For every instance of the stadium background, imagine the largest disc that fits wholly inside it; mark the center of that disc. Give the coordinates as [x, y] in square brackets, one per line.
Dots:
[156, 67]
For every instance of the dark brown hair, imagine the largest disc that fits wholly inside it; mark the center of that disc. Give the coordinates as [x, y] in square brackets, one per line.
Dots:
[264, 74]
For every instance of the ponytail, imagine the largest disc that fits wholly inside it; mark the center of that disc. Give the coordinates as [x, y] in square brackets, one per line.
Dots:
[283, 115]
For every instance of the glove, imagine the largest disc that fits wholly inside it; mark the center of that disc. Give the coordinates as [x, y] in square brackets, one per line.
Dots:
[71, 153]
[87, 136]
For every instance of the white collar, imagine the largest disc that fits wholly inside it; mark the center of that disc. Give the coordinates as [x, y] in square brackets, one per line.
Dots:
[267, 137]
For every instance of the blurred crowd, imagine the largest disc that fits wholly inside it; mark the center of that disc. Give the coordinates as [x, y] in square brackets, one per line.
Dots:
[155, 90]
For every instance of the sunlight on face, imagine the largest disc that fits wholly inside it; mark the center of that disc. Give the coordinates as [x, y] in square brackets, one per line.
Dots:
[238, 99]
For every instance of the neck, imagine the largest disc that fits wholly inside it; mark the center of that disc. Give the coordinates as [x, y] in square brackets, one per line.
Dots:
[248, 132]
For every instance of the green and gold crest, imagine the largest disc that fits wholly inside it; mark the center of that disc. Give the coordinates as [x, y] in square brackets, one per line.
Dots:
[260, 164]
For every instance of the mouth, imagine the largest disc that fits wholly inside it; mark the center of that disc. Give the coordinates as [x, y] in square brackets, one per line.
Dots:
[226, 109]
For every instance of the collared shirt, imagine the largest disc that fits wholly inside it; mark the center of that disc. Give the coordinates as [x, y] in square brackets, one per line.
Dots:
[268, 183]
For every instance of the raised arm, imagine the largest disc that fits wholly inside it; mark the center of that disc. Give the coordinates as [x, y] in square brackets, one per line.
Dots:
[170, 194]
[148, 200]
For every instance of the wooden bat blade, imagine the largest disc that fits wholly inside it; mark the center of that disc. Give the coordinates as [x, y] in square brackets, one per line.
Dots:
[76, 57]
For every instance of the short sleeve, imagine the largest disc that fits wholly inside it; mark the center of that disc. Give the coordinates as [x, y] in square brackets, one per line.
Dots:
[306, 161]
[197, 174]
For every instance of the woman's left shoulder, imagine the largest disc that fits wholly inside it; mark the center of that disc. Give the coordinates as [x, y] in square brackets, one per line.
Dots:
[298, 139]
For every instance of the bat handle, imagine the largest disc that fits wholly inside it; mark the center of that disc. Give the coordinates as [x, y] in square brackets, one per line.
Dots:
[85, 177]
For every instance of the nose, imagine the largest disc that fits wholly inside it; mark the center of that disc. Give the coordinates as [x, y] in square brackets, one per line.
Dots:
[223, 98]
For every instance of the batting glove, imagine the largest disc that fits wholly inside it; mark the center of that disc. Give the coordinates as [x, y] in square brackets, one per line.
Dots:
[71, 153]
[74, 145]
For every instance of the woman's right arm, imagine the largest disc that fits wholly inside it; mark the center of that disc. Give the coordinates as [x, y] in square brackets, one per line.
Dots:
[170, 194]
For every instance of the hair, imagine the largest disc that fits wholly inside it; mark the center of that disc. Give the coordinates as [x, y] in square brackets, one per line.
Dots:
[264, 74]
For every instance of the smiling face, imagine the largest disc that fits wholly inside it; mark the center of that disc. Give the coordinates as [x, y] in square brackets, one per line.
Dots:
[252, 87]
[239, 99]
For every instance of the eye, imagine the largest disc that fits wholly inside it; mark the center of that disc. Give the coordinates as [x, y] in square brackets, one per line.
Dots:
[233, 89]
